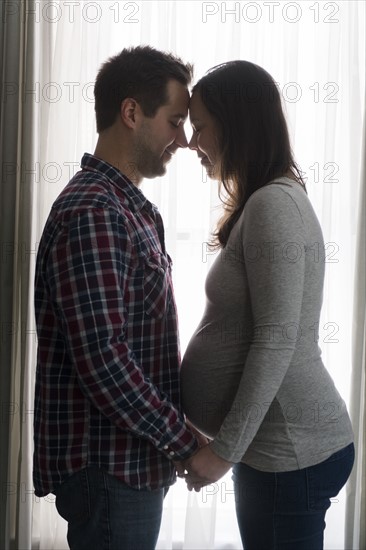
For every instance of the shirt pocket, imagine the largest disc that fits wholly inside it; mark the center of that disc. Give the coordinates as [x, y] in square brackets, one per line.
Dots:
[157, 285]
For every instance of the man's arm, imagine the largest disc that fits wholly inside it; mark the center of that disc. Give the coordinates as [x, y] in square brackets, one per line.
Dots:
[88, 273]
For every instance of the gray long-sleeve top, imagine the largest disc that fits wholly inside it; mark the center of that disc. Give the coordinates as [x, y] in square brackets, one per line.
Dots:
[252, 376]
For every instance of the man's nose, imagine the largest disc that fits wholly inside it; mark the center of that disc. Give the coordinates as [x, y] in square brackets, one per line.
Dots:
[181, 139]
[193, 142]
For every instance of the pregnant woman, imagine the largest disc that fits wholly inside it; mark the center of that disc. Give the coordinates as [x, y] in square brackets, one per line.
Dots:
[253, 380]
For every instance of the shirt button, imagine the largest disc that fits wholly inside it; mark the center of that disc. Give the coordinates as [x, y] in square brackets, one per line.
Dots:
[166, 447]
[171, 453]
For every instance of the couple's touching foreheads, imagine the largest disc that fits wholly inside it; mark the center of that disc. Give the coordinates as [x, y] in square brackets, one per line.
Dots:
[118, 413]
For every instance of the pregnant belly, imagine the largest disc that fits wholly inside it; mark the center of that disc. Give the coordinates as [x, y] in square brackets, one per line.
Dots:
[208, 392]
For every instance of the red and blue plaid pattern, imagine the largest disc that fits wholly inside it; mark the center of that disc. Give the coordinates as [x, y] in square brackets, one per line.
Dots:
[107, 381]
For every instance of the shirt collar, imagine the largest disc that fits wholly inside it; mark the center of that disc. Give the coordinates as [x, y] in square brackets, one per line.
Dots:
[136, 198]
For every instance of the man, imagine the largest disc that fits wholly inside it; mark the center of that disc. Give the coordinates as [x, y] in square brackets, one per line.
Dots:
[108, 428]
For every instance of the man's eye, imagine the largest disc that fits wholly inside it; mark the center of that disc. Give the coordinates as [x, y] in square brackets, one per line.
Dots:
[176, 123]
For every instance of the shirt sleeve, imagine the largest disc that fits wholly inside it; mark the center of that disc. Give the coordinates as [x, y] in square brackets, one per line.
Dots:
[88, 273]
[273, 230]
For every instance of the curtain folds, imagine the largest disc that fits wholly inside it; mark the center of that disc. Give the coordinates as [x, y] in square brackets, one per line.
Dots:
[49, 57]
[18, 218]
[355, 535]
[11, 64]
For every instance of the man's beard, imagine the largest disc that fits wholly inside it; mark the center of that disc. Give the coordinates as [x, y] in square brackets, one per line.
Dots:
[148, 162]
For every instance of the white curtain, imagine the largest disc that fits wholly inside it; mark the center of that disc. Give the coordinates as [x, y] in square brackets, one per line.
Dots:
[316, 52]
[356, 502]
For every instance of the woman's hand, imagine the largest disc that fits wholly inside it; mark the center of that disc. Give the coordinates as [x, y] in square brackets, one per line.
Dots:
[205, 467]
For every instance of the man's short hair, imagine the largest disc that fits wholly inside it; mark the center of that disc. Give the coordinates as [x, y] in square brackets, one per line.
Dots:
[141, 73]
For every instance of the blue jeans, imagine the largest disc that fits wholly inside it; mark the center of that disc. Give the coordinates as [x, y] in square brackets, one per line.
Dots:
[286, 510]
[105, 514]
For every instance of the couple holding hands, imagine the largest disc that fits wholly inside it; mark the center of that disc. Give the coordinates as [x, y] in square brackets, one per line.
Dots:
[117, 413]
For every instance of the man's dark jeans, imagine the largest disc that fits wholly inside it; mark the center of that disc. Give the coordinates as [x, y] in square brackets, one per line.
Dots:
[105, 514]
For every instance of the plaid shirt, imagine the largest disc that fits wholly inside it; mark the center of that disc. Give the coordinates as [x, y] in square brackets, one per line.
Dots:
[107, 381]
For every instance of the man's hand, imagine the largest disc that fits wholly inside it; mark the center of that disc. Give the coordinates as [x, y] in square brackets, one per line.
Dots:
[181, 467]
[205, 467]
[202, 439]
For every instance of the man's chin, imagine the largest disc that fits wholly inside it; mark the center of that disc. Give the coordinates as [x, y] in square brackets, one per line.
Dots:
[158, 173]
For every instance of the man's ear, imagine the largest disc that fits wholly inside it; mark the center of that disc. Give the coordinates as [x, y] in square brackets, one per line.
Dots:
[128, 111]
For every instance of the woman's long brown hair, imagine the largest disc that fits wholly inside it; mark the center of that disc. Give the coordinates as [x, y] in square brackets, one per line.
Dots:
[253, 136]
